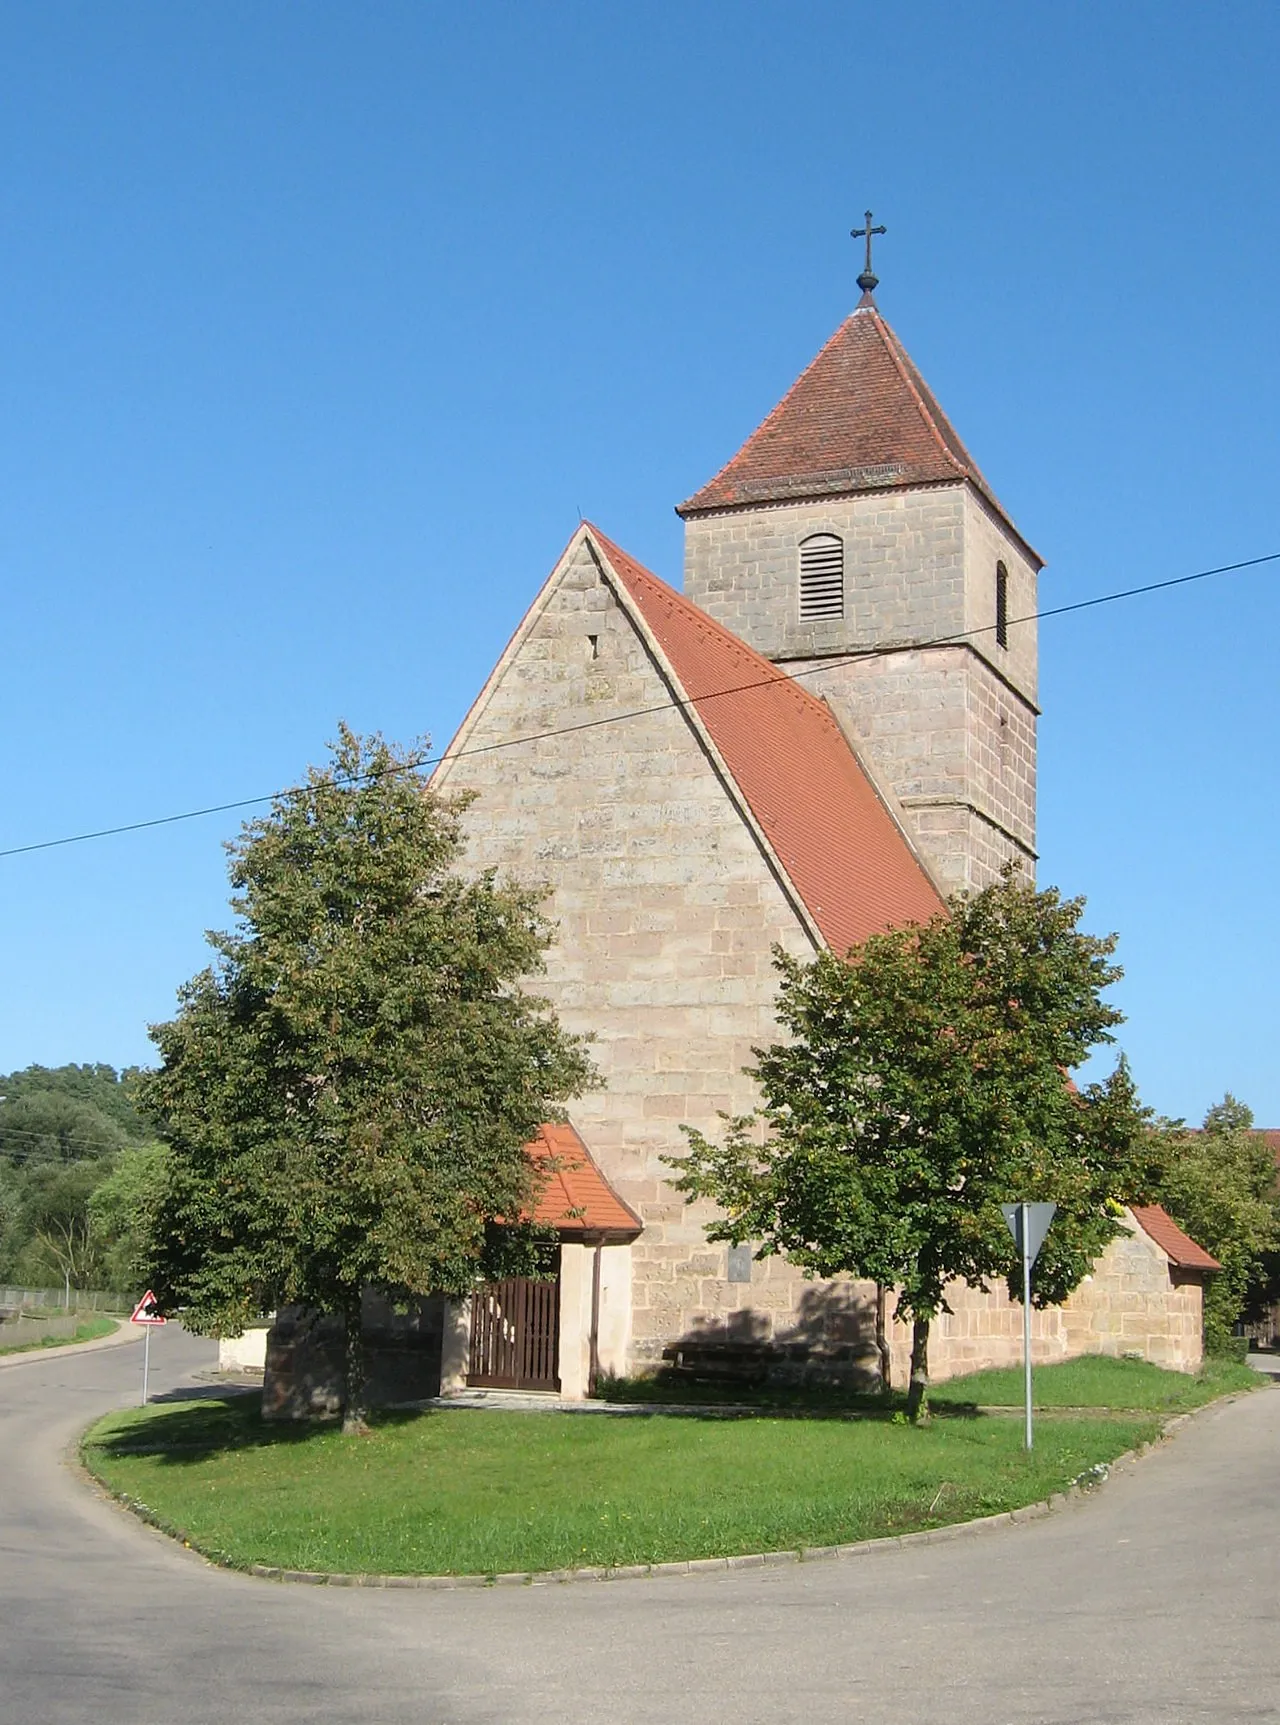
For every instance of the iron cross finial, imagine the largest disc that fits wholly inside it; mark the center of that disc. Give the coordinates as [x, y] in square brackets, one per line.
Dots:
[868, 281]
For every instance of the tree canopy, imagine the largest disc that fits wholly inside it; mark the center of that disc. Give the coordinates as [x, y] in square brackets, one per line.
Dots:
[62, 1131]
[347, 1090]
[923, 1083]
[1220, 1185]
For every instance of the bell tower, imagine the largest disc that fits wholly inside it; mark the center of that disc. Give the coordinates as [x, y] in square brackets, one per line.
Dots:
[853, 540]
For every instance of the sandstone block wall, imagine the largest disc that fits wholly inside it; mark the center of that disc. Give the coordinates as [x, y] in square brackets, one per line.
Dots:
[667, 910]
[949, 729]
[955, 747]
[1134, 1302]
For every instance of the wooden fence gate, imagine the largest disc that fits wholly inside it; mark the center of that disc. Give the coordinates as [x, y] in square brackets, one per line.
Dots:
[515, 1335]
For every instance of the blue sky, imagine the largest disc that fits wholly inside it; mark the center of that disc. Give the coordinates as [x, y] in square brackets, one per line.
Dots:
[320, 324]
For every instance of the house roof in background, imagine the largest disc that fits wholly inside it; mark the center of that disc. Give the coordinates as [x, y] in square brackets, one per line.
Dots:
[1183, 1251]
[859, 417]
[842, 851]
[575, 1197]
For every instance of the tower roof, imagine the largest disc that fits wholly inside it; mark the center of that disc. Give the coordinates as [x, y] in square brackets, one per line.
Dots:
[860, 417]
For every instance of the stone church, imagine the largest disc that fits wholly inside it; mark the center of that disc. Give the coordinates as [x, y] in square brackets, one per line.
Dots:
[830, 728]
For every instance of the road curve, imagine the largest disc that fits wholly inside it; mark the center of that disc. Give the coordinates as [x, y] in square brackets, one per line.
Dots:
[1154, 1602]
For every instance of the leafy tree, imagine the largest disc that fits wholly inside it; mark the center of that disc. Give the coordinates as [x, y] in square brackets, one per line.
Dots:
[1220, 1185]
[922, 1085]
[52, 1224]
[94, 1086]
[347, 1090]
[50, 1126]
[121, 1211]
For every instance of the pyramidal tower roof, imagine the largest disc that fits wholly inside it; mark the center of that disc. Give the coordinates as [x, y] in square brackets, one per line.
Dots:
[860, 417]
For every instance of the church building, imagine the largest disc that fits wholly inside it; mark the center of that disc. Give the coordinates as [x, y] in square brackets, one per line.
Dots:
[828, 730]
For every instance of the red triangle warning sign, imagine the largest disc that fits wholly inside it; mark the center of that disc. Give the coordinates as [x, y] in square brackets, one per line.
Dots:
[145, 1311]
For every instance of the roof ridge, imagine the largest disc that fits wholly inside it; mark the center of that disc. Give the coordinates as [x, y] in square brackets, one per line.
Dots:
[774, 412]
[898, 354]
[715, 631]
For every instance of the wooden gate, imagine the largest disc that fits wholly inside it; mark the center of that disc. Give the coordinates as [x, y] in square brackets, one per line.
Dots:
[515, 1335]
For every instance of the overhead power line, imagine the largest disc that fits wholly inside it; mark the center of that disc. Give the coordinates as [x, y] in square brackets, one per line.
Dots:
[956, 639]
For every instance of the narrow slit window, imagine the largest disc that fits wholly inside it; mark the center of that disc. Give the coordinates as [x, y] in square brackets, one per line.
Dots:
[821, 577]
[1002, 605]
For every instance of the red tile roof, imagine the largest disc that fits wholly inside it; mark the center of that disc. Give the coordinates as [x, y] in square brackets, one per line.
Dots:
[1183, 1252]
[859, 418]
[841, 850]
[575, 1196]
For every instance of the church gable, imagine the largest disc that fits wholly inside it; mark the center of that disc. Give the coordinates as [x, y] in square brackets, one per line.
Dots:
[593, 777]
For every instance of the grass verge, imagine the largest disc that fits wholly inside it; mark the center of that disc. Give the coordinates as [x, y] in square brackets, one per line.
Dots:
[1093, 1381]
[1098, 1381]
[90, 1331]
[444, 1492]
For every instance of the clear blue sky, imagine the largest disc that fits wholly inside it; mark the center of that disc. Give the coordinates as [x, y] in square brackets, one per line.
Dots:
[320, 324]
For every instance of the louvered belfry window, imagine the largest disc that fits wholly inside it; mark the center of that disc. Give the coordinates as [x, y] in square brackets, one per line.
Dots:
[821, 577]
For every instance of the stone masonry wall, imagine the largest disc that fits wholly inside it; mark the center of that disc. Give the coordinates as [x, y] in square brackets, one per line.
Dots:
[949, 730]
[1133, 1303]
[667, 911]
[953, 744]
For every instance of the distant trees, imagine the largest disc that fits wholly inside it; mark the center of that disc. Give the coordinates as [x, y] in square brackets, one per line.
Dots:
[63, 1133]
[923, 1083]
[1220, 1185]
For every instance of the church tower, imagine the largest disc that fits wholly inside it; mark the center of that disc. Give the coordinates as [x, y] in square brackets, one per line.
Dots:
[854, 540]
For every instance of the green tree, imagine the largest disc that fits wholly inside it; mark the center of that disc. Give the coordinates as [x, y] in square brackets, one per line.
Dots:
[94, 1085]
[122, 1209]
[52, 1126]
[922, 1085]
[51, 1225]
[1220, 1185]
[347, 1091]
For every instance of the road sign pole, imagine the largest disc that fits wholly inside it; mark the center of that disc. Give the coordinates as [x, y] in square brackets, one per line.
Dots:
[146, 1361]
[1026, 1310]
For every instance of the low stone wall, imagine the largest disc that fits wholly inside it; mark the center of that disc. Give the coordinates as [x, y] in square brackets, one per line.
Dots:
[1135, 1302]
[303, 1377]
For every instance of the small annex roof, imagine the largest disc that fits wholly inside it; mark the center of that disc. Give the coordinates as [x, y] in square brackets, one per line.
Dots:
[1184, 1253]
[843, 853]
[860, 417]
[575, 1198]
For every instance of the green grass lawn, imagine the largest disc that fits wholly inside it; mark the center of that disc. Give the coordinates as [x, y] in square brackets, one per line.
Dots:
[89, 1331]
[470, 1492]
[1093, 1381]
[1096, 1381]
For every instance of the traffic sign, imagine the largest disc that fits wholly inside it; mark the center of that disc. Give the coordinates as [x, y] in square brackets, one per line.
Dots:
[1038, 1218]
[1028, 1223]
[145, 1311]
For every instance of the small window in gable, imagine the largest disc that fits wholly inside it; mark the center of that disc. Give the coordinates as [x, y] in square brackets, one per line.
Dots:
[1002, 605]
[821, 577]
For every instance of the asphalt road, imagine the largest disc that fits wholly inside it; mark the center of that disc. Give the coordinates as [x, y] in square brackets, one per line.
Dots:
[1154, 1600]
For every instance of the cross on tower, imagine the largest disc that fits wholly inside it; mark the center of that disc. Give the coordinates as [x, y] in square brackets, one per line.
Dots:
[868, 281]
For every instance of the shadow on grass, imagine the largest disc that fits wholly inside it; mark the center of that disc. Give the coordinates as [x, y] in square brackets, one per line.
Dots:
[677, 1393]
[206, 1422]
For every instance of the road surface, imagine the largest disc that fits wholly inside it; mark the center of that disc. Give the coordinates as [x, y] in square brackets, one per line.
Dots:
[1153, 1602]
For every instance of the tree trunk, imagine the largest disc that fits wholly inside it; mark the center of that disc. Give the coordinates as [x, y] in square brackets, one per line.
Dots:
[882, 1340]
[353, 1402]
[918, 1394]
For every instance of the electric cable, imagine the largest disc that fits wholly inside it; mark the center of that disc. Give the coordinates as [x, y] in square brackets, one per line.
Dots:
[676, 704]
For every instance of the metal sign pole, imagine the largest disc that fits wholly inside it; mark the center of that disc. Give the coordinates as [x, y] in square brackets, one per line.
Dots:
[1026, 1309]
[146, 1361]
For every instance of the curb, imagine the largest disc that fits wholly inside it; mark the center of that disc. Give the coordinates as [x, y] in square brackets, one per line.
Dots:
[1081, 1488]
[28, 1356]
